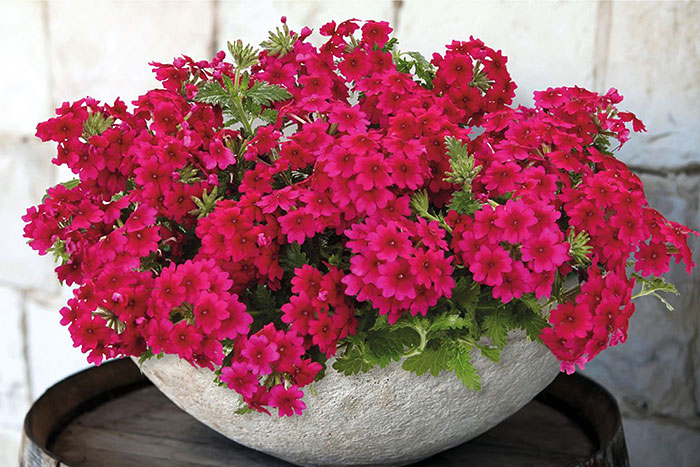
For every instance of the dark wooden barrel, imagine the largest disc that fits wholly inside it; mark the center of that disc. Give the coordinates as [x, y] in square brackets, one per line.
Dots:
[112, 416]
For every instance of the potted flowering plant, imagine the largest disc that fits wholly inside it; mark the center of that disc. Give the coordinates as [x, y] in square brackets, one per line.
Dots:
[305, 230]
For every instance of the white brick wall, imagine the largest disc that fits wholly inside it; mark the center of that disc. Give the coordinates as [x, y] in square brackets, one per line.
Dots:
[62, 50]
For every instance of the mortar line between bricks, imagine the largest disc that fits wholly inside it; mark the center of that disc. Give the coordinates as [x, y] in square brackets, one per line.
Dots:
[396, 5]
[24, 329]
[690, 169]
[50, 89]
[214, 28]
[601, 45]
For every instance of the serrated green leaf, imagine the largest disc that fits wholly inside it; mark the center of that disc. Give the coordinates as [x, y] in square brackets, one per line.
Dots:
[351, 362]
[262, 299]
[462, 366]
[466, 293]
[492, 353]
[148, 354]
[390, 44]
[293, 257]
[463, 202]
[496, 325]
[269, 115]
[388, 345]
[532, 322]
[213, 93]
[652, 286]
[265, 94]
[432, 360]
[455, 148]
[446, 321]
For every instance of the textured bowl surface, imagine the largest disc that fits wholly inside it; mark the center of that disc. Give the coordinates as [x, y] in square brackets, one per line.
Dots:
[383, 417]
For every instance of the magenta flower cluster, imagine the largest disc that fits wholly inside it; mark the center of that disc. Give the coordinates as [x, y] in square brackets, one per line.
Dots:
[177, 220]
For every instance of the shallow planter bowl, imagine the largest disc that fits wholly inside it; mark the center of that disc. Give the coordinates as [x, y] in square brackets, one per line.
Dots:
[383, 417]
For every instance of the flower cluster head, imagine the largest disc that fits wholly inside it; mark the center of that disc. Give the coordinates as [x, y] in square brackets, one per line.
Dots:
[259, 216]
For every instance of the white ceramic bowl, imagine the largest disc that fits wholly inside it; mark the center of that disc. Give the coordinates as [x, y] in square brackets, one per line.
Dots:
[383, 417]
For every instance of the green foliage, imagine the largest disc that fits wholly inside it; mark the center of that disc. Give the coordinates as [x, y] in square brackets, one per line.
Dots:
[58, 250]
[293, 257]
[480, 79]
[445, 338]
[352, 361]
[464, 203]
[96, 124]
[434, 360]
[463, 170]
[492, 353]
[466, 294]
[496, 323]
[147, 355]
[262, 299]
[213, 93]
[280, 42]
[206, 203]
[269, 115]
[528, 315]
[652, 286]
[414, 63]
[421, 207]
[263, 93]
[241, 102]
[389, 46]
[244, 56]
[461, 364]
[579, 249]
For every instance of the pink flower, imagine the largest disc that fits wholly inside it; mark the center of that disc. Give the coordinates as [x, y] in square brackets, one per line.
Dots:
[260, 354]
[389, 243]
[287, 401]
[239, 378]
[490, 263]
[571, 320]
[396, 279]
[546, 251]
[348, 119]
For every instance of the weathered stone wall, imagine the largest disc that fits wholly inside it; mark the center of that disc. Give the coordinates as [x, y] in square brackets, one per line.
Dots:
[62, 50]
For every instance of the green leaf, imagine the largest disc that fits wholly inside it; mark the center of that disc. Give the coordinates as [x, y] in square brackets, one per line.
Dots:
[462, 366]
[58, 249]
[382, 322]
[388, 345]
[206, 203]
[390, 44]
[351, 362]
[96, 124]
[492, 353]
[293, 257]
[211, 92]
[496, 325]
[447, 321]
[269, 116]
[432, 360]
[466, 293]
[262, 299]
[464, 203]
[264, 94]
[148, 354]
[280, 42]
[652, 286]
[533, 323]
[243, 55]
